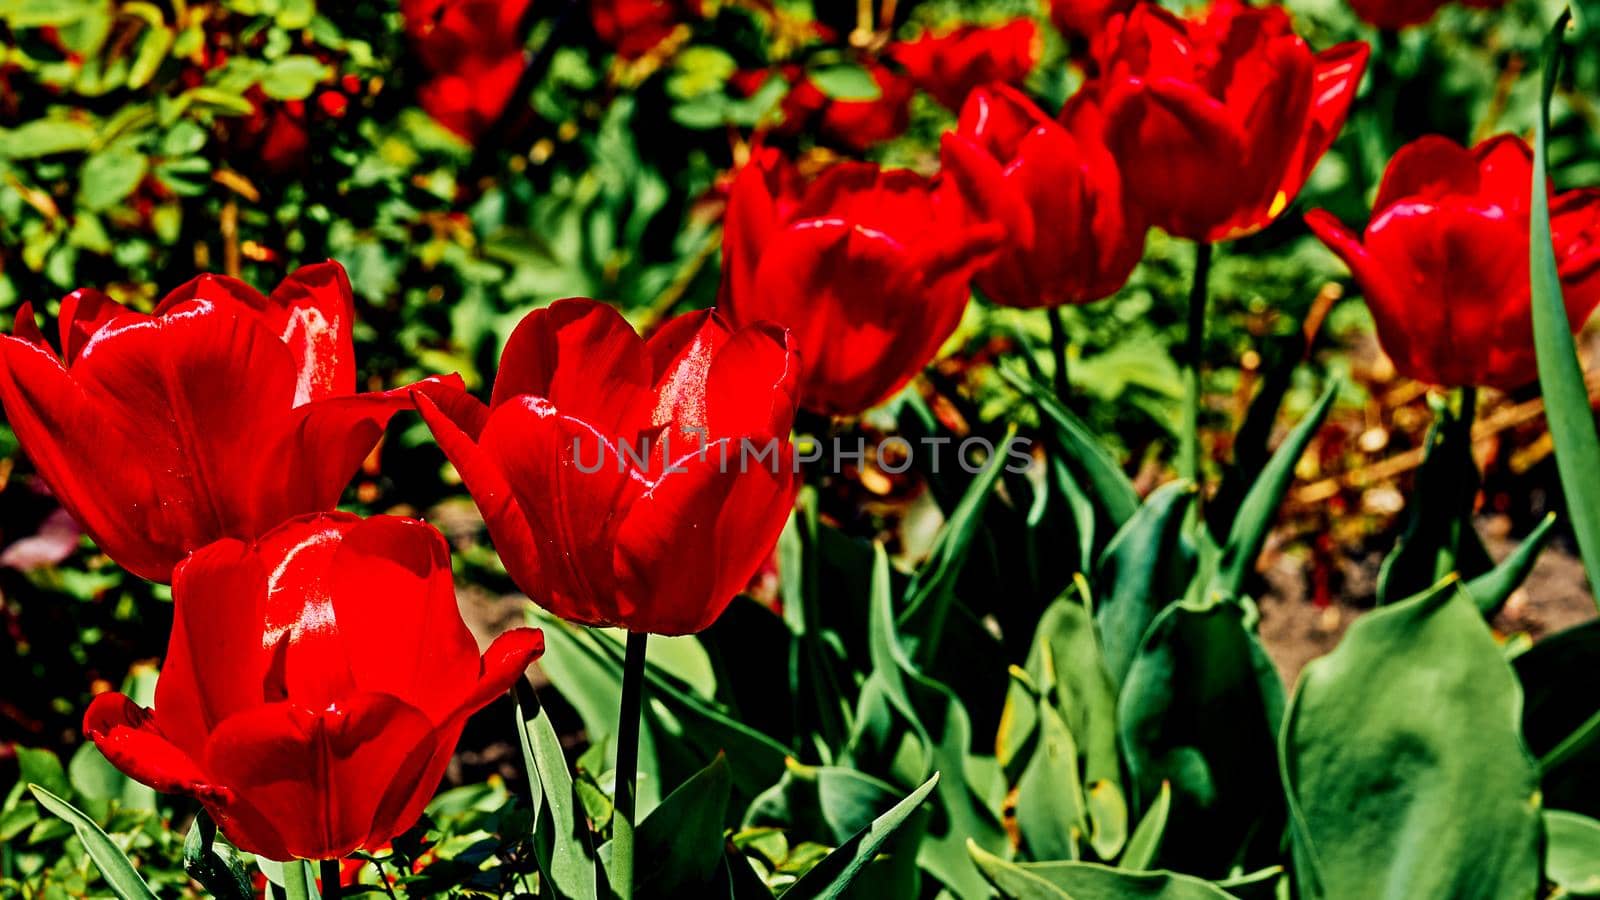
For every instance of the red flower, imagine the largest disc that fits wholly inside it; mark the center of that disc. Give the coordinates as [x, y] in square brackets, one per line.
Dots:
[1444, 264]
[1395, 14]
[869, 269]
[1085, 18]
[1071, 236]
[854, 125]
[451, 33]
[635, 27]
[950, 65]
[1218, 121]
[469, 100]
[315, 685]
[614, 473]
[220, 415]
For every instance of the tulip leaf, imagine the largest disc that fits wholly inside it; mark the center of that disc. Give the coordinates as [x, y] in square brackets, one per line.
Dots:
[114, 866]
[1088, 881]
[845, 82]
[1559, 713]
[1492, 589]
[1572, 853]
[1143, 570]
[214, 863]
[1566, 397]
[829, 879]
[1227, 805]
[1146, 840]
[561, 840]
[1050, 806]
[679, 845]
[1403, 764]
[1439, 538]
[1260, 505]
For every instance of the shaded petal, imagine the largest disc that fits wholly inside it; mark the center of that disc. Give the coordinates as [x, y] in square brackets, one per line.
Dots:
[394, 602]
[1337, 77]
[83, 313]
[25, 327]
[321, 777]
[681, 354]
[313, 310]
[128, 737]
[506, 660]
[752, 384]
[1505, 172]
[724, 517]
[582, 356]
[1428, 169]
[456, 421]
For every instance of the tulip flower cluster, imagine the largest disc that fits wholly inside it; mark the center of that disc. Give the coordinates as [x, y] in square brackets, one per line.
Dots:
[473, 52]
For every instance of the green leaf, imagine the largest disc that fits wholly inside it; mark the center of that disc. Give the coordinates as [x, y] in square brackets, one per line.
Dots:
[1492, 589]
[154, 46]
[293, 77]
[1089, 461]
[1559, 715]
[830, 878]
[100, 785]
[1146, 840]
[1088, 881]
[1050, 805]
[43, 768]
[1566, 397]
[562, 842]
[46, 137]
[1200, 709]
[1403, 764]
[214, 864]
[821, 802]
[112, 862]
[1572, 852]
[1260, 506]
[1143, 570]
[846, 82]
[109, 176]
[679, 845]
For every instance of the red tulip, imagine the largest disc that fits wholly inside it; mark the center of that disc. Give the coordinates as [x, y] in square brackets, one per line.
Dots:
[1071, 236]
[1444, 263]
[868, 268]
[618, 476]
[315, 685]
[448, 34]
[1218, 121]
[853, 125]
[635, 27]
[1085, 18]
[950, 65]
[469, 100]
[1395, 14]
[220, 415]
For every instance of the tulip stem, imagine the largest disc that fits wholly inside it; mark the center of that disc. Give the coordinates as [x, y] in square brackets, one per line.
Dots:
[1194, 353]
[627, 764]
[1058, 347]
[332, 880]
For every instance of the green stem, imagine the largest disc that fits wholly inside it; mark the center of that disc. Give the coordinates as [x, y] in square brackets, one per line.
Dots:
[628, 764]
[332, 880]
[1194, 352]
[1058, 348]
[1466, 414]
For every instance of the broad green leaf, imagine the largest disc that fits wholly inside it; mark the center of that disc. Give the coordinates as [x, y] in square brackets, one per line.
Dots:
[114, 866]
[1142, 571]
[46, 137]
[41, 767]
[213, 863]
[1146, 840]
[1050, 805]
[1200, 709]
[100, 786]
[1491, 590]
[678, 847]
[821, 802]
[1260, 506]
[1566, 397]
[561, 839]
[293, 77]
[845, 82]
[1572, 852]
[1559, 715]
[1088, 881]
[1019, 723]
[1403, 764]
[831, 877]
[154, 45]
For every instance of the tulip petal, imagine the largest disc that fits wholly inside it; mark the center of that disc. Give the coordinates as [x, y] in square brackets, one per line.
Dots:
[506, 660]
[752, 218]
[309, 661]
[457, 421]
[313, 311]
[128, 737]
[216, 659]
[1505, 172]
[681, 353]
[1575, 227]
[752, 384]
[1428, 169]
[726, 518]
[611, 376]
[394, 602]
[83, 313]
[1337, 75]
[322, 776]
